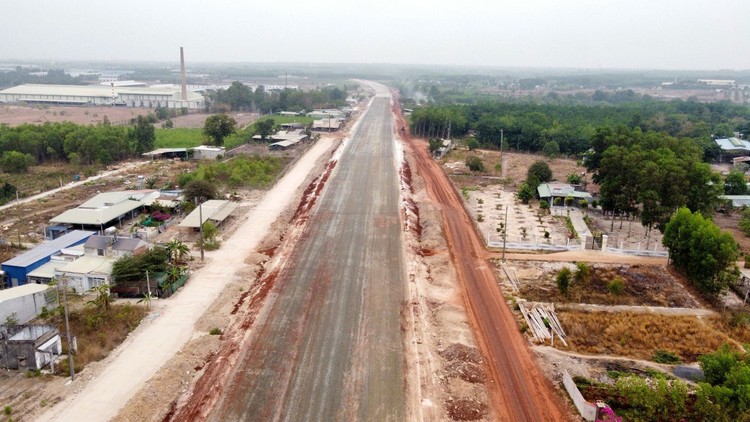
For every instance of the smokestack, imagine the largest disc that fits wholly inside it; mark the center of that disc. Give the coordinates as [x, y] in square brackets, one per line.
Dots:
[182, 75]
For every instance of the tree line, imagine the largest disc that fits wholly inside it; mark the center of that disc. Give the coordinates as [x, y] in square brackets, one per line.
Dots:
[529, 126]
[240, 97]
[78, 144]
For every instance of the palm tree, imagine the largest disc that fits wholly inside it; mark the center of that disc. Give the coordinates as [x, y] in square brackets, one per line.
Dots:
[177, 250]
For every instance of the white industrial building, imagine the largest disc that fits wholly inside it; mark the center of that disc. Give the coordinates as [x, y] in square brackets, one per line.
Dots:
[97, 95]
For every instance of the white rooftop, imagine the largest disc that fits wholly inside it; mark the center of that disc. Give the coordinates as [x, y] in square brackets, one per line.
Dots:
[20, 291]
[89, 264]
[214, 210]
[107, 206]
[93, 90]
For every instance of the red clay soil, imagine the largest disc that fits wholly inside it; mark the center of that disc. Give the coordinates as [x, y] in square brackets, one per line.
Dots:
[518, 389]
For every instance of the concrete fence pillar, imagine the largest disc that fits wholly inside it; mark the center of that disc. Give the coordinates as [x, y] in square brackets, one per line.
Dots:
[584, 238]
[604, 242]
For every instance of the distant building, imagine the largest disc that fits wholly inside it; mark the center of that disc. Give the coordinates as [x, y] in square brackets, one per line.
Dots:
[717, 82]
[204, 152]
[327, 125]
[732, 147]
[18, 268]
[98, 95]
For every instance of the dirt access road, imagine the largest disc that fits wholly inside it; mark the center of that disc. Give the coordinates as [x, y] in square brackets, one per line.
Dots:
[327, 344]
[518, 389]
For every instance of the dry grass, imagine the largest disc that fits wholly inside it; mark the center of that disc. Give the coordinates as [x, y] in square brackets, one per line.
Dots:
[639, 335]
[735, 323]
[98, 331]
[643, 285]
[517, 164]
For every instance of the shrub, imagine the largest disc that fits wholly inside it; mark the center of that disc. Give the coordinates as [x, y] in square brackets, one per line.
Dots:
[544, 205]
[215, 331]
[574, 179]
[525, 193]
[665, 357]
[480, 218]
[568, 201]
[563, 280]
[616, 286]
[546, 234]
[551, 149]
[557, 201]
[472, 144]
[541, 171]
[498, 168]
[583, 272]
[474, 163]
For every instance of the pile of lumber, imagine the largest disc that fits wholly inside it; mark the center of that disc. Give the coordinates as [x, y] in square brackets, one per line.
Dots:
[510, 274]
[542, 321]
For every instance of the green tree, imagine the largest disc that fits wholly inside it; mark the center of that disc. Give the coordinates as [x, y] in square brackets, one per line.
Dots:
[701, 251]
[735, 183]
[539, 171]
[551, 149]
[210, 231]
[525, 193]
[199, 189]
[16, 162]
[177, 250]
[472, 144]
[143, 135]
[434, 145]
[264, 128]
[744, 224]
[218, 127]
[474, 163]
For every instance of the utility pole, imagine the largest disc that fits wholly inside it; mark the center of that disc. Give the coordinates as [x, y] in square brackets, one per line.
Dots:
[67, 327]
[501, 148]
[148, 287]
[200, 223]
[505, 231]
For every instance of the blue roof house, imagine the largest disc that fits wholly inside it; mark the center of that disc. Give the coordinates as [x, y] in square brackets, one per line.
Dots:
[18, 268]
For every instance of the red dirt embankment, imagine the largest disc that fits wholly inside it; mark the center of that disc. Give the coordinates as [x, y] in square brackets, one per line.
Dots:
[518, 389]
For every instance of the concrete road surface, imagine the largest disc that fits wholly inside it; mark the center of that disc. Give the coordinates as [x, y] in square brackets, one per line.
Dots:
[330, 347]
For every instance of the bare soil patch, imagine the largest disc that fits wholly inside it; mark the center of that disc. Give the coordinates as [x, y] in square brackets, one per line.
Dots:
[644, 285]
[16, 115]
[198, 120]
[730, 222]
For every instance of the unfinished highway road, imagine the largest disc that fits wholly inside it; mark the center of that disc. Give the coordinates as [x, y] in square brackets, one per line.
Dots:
[328, 344]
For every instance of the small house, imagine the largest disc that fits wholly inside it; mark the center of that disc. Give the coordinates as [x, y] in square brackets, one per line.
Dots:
[29, 347]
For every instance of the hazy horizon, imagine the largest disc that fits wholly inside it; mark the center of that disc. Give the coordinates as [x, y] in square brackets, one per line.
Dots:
[693, 35]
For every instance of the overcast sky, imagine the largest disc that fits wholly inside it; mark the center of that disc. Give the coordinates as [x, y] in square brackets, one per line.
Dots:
[652, 34]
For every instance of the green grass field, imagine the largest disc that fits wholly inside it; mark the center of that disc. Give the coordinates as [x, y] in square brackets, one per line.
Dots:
[179, 138]
[287, 119]
[192, 137]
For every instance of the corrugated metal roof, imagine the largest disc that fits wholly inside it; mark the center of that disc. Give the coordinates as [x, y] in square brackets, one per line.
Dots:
[106, 207]
[733, 144]
[47, 249]
[92, 90]
[215, 210]
[90, 264]
[20, 291]
[546, 190]
[48, 270]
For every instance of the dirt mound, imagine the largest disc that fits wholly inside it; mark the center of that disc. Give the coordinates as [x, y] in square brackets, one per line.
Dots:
[466, 371]
[462, 352]
[465, 409]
